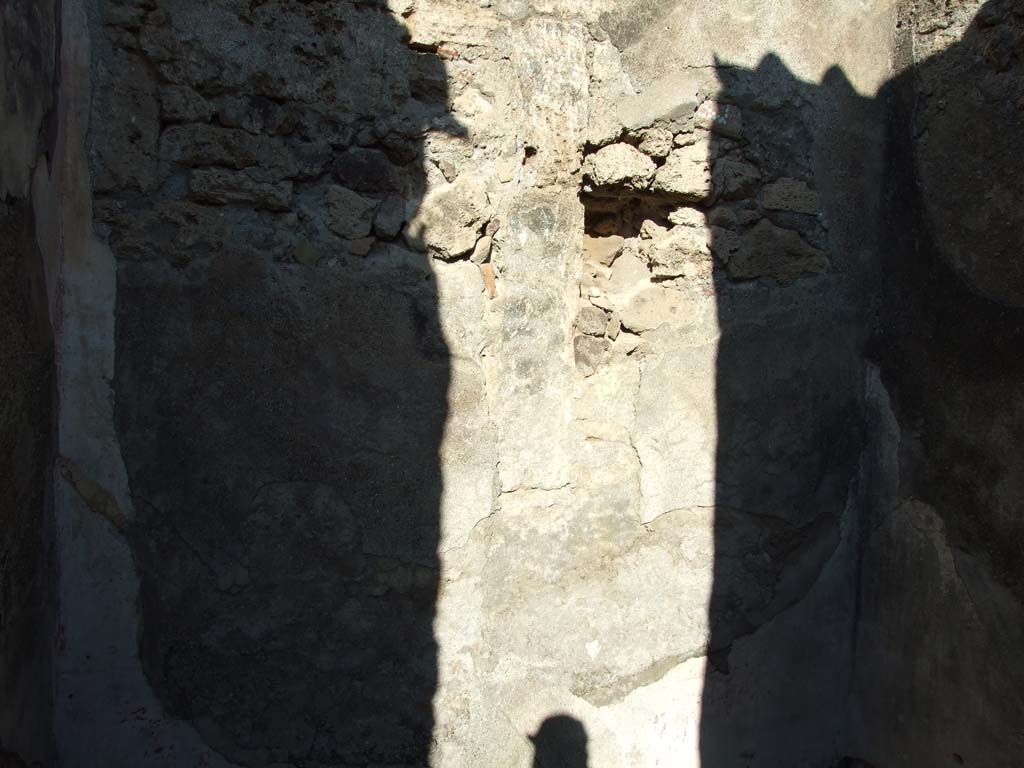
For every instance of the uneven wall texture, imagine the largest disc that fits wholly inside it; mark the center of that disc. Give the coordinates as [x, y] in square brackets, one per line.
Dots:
[487, 383]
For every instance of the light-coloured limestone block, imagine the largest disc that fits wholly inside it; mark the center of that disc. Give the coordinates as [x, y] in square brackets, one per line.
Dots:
[686, 173]
[619, 165]
[448, 220]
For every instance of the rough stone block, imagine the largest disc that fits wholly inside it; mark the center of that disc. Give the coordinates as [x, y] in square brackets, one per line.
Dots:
[723, 119]
[656, 306]
[361, 246]
[686, 173]
[770, 251]
[656, 142]
[449, 219]
[668, 102]
[619, 165]
[724, 243]
[591, 321]
[722, 216]
[629, 274]
[349, 214]
[790, 195]
[602, 250]
[687, 217]
[683, 253]
[734, 179]
[390, 217]
[224, 187]
[201, 144]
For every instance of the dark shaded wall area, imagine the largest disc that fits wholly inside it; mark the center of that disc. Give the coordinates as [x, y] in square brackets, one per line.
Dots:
[941, 587]
[795, 289]
[279, 397]
[27, 91]
[875, 431]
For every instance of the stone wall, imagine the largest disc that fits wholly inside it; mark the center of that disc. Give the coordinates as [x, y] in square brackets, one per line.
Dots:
[27, 87]
[487, 383]
[941, 576]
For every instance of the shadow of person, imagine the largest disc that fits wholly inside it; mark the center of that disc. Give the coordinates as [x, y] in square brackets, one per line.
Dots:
[281, 381]
[560, 742]
[790, 428]
[908, 279]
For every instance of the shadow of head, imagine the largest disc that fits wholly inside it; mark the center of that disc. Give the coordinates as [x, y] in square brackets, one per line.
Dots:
[560, 742]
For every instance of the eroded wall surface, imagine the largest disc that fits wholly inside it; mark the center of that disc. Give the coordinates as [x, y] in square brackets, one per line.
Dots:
[431, 369]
